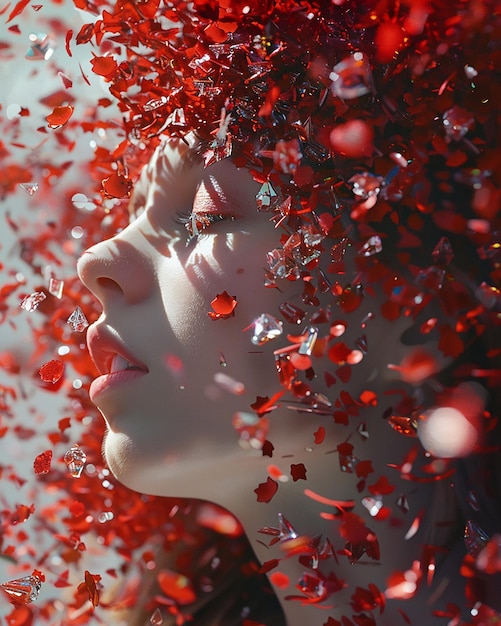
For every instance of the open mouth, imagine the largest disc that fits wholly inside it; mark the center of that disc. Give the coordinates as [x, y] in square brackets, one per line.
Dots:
[119, 363]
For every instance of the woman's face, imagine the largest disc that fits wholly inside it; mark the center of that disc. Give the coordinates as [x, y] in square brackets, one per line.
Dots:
[159, 353]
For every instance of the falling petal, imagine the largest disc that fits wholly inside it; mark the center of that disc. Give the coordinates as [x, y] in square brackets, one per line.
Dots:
[59, 116]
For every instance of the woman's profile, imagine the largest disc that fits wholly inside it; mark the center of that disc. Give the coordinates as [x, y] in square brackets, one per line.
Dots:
[292, 328]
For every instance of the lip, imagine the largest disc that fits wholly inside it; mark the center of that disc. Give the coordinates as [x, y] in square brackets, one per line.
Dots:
[103, 345]
[108, 382]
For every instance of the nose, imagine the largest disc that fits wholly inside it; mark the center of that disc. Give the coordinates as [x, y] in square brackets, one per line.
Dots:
[116, 271]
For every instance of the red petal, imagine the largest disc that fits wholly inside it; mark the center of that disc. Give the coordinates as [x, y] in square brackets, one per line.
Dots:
[266, 491]
[59, 116]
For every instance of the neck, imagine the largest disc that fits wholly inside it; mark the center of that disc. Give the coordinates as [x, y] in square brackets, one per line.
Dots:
[293, 519]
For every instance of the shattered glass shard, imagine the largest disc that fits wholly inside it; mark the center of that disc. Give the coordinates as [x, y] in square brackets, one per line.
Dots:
[366, 185]
[287, 530]
[30, 303]
[75, 459]
[22, 590]
[41, 47]
[56, 287]
[475, 538]
[156, 619]
[372, 246]
[151, 105]
[266, 197]
[30, 188]
[351, 77]
[77, 320]
[266, 328]
[307, 345]
[457, 122]
[252, 430]
[442, 253]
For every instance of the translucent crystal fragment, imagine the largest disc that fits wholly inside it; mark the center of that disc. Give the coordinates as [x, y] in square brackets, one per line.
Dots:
[30, 303]
[77, 320]
[372, 246]
[41, 47]
[266, 197]
[404, 425]
[473, 500]
[362, 431]
[75, 459]
[219, 148]
[457, 122]
[56, 287]
[307, 345]
[30, 188]
[22, 590]
[373, 505]
[292, 313]
[431, 278]
[154, 104]
[489, 296]
[475, 538]
[277, 263]
[403, 503]
[266, 328]
[312, 586]
[442, 253]
[287, 530]
[351, 77]
[252, 430]
[206, 88]
[156, 618]
[347, 463]
[366, 185]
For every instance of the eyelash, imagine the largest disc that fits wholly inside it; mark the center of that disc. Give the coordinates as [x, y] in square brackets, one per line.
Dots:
[196, 223]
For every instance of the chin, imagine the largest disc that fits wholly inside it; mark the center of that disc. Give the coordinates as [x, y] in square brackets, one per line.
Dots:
[195, 475]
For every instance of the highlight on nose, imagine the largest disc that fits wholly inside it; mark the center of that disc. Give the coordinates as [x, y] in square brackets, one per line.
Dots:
[115, 269]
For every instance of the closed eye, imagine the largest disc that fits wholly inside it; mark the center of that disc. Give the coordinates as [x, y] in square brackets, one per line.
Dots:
[196, 222]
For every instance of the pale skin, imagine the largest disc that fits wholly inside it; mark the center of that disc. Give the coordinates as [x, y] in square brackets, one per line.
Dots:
[169, 424]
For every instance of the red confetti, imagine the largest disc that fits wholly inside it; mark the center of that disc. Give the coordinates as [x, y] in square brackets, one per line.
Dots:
[90, 586]
[42, 463]
[59, 116]
[266, 491]
[319, 435]
[69, 35]
[176, 587]
[18, 9]
[116, 186]
[223, 306]
[381, 487]
[52, 371]
[104, 66]
[298, 471]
